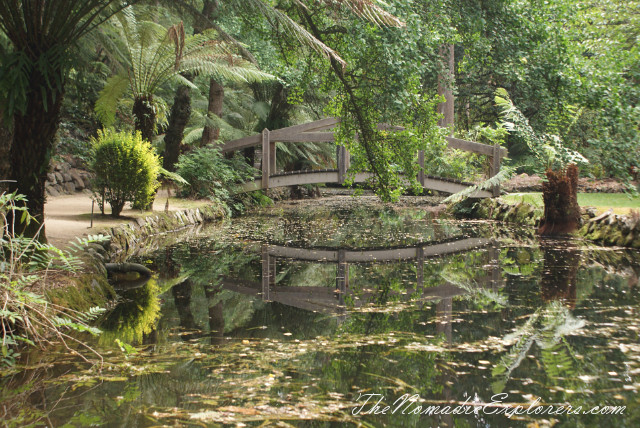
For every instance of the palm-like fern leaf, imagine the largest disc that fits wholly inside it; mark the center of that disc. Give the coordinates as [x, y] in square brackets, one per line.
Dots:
[155, 55]
[546, 147]
[107, 102]
[369, 10]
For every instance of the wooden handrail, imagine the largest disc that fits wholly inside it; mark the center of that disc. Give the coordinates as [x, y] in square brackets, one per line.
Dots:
[316, 132]
[310, 132]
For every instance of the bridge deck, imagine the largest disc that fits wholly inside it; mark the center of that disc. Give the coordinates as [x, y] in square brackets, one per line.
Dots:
[322, 131]
[291, 178]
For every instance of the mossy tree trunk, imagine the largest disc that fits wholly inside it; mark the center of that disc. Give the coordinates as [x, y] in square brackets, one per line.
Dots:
[216, 98]
[32, 148]
[560, 195]
[5, 149]
[180, 114]
[144, 116]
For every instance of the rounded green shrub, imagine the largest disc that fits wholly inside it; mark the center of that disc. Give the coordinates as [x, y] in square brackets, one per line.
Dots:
[126, 169]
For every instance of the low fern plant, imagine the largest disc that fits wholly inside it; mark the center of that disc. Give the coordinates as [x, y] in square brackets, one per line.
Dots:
[26, 315]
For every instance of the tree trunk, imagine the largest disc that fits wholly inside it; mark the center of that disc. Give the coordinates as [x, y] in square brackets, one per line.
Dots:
[445, 87]
[5, 150]
[560, 195]
[280, 111]
[33, 137]
[180, 114]
[144, 116]
[210, 11]
[216, 97]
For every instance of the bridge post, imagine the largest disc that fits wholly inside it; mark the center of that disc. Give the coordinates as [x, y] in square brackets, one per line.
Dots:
[495, 168]
[266, 158]
[343, 163]
[444, 316]
[272, 157]
[421, 163]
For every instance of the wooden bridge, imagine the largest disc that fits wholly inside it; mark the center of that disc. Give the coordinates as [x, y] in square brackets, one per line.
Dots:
[332, 301]
[321, 131]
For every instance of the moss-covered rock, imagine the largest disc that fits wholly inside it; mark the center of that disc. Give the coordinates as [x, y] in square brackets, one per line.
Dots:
[606, 229]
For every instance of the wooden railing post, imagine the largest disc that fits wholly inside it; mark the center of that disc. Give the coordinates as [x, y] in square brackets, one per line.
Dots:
[343, 163]
[421, 163]
[495, 167]
[266, 158]
[272, 156]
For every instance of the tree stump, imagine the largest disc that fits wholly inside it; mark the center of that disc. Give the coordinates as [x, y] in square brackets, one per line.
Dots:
[560, 195]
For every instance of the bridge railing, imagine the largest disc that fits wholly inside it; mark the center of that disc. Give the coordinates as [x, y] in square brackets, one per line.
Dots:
[317, 132]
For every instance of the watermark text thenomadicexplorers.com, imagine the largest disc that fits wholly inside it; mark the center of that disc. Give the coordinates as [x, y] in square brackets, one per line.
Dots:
[373, 404]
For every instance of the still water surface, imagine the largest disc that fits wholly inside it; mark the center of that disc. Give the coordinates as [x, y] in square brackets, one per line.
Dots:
[325, 317]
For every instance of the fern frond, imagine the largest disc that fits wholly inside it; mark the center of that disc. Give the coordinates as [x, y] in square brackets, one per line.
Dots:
[193, 136]
[505, 174]
[107, 102]
[279, 20]
[369, 10]
[181, 80]
[547, 148]
[176, 178]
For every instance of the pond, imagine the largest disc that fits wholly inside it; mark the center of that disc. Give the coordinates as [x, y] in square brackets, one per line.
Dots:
[368, 315]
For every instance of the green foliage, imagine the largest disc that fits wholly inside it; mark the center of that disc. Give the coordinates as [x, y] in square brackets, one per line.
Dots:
[549, 150]
[126, 169]
[505, 174]
[210, 175]
[390, 155]
[154, 55]
[27, 317]
[482, 133]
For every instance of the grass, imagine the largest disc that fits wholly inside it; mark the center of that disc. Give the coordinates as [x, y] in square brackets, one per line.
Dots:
[621, 203]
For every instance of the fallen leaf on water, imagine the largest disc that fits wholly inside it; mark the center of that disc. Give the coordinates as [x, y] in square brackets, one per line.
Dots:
[241, 410]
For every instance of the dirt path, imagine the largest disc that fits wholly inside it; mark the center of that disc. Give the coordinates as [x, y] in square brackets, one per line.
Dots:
[69, 216]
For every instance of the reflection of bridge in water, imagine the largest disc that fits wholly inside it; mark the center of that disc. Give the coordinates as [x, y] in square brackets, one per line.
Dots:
[332, 300]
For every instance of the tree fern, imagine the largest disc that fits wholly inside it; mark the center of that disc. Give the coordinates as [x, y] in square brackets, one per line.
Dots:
[107, 103]
[547, 148]
[505, 173]
[155, 55]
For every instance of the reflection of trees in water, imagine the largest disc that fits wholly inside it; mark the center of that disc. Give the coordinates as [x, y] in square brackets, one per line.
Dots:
[135, 316]
[353, 228]
[546, 327]
[550, 323]
[559, 281]
[182, 300]
[173, 388]
[216, 314]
